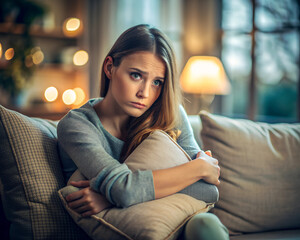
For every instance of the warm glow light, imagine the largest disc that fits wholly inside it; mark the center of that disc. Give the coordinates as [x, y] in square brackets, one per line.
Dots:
[69, 97]
[204, 75]
[80, 96]
[72, 24]
[72, 27]
[80, 58]
[37, 55]
[0, 50]
[9, 53]
[51, 94]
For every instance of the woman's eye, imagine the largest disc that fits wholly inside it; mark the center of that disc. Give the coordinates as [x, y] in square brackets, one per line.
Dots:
[157, 82]
[135, 75]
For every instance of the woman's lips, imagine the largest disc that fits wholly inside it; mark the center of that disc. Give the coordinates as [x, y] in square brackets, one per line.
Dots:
[138, 105]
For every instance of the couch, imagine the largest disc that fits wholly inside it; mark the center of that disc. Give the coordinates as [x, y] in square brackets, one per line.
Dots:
[259, 190]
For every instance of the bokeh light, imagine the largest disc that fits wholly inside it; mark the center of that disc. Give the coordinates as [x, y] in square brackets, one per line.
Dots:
[37, 55]
[72, 24]
[80, 58]
[51, 94]
[0, 50]
[69, 97]
[72, 27]
[9, 53]
[80, 96]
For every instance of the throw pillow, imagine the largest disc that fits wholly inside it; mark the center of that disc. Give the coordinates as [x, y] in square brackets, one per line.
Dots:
[159, 219]
[260, 172]
[155, 146]
[31, 174]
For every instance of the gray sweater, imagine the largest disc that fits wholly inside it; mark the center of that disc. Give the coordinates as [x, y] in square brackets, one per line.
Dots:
[85, 144]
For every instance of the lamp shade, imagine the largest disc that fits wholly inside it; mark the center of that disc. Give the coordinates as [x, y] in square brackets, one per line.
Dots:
[204, 75]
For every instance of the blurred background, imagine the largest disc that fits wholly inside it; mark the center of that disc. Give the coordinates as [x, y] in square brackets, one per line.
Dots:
[51, 53]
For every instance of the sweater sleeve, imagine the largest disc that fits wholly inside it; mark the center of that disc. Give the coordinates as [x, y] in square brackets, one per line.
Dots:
[200, 190]
[80, 139]
[186, 139]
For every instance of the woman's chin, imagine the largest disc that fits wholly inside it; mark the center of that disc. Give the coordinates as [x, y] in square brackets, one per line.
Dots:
[135, 112]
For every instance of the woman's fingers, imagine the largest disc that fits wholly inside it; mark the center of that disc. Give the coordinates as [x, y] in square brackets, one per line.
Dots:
[208, 152]
[77, 203]
[88, 213]
[87, 202]
[212, 169]
[205, 156]
[74, 196]
[82, 209]
[80, 184]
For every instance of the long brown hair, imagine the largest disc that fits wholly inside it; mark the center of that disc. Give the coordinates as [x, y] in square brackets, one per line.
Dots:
[164, 113]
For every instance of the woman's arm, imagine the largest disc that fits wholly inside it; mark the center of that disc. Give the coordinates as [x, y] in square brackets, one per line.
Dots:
[80, 138]
[88, 202]
[200, 190]
[172, 180]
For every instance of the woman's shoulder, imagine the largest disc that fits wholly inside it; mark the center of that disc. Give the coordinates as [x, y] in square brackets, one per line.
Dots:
[182, 115]
[81, 115]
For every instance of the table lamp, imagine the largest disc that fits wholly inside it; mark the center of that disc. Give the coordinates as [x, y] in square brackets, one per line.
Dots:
[205, 77]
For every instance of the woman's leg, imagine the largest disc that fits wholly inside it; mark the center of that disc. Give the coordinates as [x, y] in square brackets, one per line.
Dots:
[205, 226]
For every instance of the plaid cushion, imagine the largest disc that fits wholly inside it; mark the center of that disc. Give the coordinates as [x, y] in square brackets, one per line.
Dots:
[31, 174]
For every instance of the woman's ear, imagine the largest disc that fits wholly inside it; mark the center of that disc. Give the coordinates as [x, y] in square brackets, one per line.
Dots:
[108, 65]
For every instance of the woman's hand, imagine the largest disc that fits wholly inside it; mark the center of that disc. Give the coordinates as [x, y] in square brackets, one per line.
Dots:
[210, 167]
[86, 201]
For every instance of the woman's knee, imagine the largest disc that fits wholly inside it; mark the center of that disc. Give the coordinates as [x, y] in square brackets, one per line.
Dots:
[205, 226]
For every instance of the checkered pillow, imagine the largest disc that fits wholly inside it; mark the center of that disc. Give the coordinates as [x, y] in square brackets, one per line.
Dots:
[31, 174]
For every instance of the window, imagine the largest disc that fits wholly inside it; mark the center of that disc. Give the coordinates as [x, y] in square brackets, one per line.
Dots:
[260, 50]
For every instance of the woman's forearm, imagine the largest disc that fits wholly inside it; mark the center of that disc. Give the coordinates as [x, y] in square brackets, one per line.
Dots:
[172, 180]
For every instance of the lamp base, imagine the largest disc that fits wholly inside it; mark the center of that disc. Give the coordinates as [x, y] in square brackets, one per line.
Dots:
[205, 101]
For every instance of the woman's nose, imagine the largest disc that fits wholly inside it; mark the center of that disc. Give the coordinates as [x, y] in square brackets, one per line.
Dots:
[144, 90]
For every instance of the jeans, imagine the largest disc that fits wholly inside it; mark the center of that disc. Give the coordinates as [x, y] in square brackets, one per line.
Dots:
[205, 226]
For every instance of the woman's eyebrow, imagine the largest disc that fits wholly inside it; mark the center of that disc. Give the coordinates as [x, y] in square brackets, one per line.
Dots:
[139, 70]
[145, 73]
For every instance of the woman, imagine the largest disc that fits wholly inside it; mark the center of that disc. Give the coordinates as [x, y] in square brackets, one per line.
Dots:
[140, 93]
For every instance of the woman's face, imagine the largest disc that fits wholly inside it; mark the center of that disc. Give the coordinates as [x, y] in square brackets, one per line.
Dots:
[136, 83]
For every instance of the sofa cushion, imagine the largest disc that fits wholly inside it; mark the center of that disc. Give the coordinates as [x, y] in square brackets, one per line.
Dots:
[31, 174]
[292, 234]
[158, 219]
[260, 177]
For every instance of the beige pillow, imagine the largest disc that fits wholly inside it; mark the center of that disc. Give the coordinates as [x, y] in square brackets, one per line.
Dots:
[260, 172]
[164, 152]
[159, 219]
